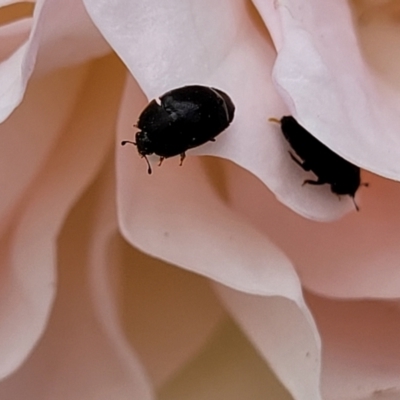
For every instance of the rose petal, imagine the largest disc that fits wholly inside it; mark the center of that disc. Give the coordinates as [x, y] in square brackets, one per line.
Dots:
[285, 334]
[12, 84]
[30, 134]
[4, 3]
[60, 42]
[29, 258]
[182, 307]
[78, 357]
[376, 24]
[321, 74]
[15, 10]
[227, 368]
[360, 347]
[168, 313]
[357, 256]
[173, 43]
[13, 36]
[222, 44]
[65, 35]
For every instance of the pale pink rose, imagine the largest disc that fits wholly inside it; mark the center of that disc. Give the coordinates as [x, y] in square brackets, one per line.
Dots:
[93, 305]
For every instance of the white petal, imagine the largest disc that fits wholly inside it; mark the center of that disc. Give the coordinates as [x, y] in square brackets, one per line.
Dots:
[13, 36]
[168, 313]
[28, 265]
[284, 332]
[63, 35]
[30, 134]
[355, 257]
[228, 367]
[360, 345]
[82, 354]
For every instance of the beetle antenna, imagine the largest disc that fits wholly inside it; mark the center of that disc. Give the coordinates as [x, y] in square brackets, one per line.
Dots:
[124, 142]
[149, 170]
[355, 204]
[276, 120]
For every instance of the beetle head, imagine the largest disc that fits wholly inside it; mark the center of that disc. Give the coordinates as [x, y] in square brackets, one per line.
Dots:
[144, 147]
[143, 144]
[345, 187]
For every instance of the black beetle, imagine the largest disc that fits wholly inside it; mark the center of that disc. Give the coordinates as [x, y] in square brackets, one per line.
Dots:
[181, 119]
[329, 167]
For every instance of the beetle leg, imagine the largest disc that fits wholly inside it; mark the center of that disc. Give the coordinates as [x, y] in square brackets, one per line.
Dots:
[149, 171]
[355, 204]
[298, 162]
[183, 156]
[161, 161]
[212, 140]
[311, 182]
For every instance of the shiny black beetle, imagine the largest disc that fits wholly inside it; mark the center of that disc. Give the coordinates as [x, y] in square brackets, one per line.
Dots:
[341, 175]
[181, 119]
